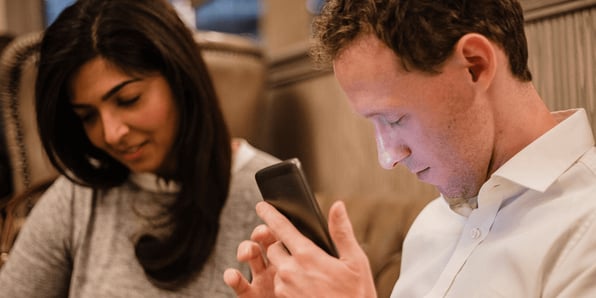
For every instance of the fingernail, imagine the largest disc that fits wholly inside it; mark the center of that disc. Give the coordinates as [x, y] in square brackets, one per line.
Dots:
[246, 250]
[259, 207]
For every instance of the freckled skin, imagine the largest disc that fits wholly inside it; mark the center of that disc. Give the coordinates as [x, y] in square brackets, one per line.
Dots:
[436, 125]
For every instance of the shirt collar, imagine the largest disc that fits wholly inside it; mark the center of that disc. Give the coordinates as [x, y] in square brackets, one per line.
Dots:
[539, 164]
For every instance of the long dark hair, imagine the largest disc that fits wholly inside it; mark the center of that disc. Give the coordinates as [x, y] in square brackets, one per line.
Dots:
[141, 36]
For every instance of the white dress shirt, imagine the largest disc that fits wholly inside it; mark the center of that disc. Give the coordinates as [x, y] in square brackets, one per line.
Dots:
[532, 235]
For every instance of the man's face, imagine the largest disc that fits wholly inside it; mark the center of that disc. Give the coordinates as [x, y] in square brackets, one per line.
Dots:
[434, 124]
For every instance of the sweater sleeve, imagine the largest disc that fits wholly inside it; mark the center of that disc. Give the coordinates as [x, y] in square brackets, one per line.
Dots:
[40, 261]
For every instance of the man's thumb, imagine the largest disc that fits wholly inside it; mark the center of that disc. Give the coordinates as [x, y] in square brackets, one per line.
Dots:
[341, 230]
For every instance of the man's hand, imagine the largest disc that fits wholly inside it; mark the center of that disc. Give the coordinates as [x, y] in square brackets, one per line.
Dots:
[253, 252]
[295, 266]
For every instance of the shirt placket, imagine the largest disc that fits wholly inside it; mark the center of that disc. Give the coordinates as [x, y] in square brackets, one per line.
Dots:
[473, 233]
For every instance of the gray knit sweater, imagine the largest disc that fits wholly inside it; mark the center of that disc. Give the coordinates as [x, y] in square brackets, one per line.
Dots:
[74, 246]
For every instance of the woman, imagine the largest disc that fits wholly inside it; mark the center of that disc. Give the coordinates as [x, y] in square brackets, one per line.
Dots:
[153, 199]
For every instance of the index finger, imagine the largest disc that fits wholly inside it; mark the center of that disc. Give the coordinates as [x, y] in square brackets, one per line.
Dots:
[282, 228]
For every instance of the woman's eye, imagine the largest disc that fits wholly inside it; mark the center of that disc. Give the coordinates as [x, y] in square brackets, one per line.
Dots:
[87, 118]
[128, 102]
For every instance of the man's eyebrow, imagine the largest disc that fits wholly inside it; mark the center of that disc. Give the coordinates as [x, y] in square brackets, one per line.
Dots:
[118, 87]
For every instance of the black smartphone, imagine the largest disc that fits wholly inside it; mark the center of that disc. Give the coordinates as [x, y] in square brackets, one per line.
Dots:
[284, 186]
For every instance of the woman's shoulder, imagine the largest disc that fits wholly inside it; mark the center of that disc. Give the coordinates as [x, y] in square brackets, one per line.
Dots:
[57, 204]
[65, 188]
[61, 195]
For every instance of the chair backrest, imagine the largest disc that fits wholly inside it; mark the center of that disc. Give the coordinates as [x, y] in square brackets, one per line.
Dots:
[239, 71]
[236, 64]
[29, 165]
[5, 178]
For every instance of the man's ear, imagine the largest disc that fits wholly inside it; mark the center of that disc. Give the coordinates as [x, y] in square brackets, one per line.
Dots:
[479, 56]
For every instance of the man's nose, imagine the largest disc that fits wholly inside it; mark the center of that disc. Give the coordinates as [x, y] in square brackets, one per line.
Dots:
[390, 149]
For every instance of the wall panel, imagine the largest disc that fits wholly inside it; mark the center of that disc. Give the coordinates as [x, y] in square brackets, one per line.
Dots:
[562, 50]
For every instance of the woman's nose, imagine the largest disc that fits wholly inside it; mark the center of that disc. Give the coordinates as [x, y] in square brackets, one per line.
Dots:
[113, 128]
[389, 149]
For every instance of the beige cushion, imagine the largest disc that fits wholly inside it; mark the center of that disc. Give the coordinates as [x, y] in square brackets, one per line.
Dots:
[238, 69]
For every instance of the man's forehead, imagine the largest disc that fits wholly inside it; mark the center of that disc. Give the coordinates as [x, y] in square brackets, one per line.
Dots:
[368, 50]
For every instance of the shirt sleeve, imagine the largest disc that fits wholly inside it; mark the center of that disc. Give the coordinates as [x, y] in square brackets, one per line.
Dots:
[40, 261]
[574, 272]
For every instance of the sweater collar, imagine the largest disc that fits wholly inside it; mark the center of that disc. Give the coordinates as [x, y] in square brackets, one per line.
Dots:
[154, 183]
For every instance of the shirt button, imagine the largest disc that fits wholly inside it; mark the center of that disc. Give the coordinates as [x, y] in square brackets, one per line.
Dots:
[475, 233]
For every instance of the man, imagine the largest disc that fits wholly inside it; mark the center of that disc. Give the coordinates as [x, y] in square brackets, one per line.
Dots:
[447, 87]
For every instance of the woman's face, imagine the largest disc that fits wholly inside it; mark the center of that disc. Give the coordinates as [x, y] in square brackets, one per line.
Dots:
[133, 119]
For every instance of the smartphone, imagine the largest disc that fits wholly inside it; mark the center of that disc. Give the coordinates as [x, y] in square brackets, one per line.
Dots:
[284, 186]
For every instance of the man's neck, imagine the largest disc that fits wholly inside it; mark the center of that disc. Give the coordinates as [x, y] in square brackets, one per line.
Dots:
[520, 118]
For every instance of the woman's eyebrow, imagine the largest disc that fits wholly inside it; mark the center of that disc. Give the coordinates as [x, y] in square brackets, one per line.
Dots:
[118, 87]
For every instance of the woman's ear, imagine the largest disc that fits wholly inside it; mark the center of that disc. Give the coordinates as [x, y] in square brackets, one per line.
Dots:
[478, 54]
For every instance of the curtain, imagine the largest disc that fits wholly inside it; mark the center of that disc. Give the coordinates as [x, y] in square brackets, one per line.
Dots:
[562, 50]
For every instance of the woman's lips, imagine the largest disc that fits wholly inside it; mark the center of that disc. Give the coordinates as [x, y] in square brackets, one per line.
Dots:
[133, 153]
